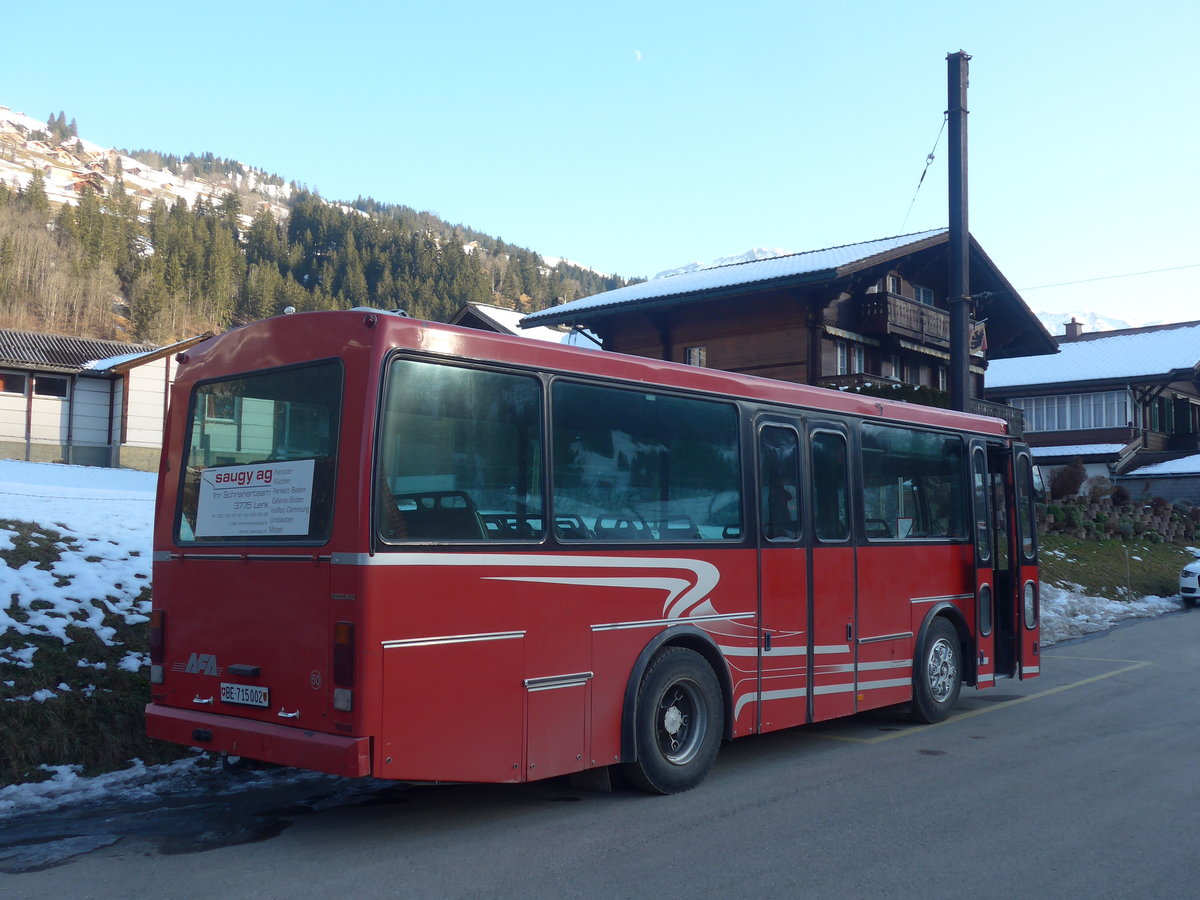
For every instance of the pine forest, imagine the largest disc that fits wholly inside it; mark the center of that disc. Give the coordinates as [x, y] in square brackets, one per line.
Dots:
[112, 266]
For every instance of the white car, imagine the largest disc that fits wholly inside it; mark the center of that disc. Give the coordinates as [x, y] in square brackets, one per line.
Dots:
[1189, 583]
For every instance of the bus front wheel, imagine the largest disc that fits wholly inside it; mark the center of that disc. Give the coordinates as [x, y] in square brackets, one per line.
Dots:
[677, 723]
[937, 673]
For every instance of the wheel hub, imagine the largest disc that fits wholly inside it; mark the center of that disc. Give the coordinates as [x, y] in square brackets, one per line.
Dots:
[672, 720]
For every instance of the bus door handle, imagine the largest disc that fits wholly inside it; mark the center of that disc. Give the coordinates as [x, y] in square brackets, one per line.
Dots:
[202, 700]
[284, 714]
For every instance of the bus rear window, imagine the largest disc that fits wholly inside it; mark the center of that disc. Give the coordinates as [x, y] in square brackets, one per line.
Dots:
[261, 457]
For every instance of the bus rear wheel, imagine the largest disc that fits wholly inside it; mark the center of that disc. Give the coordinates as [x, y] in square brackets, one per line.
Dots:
[937, 673]
[677, 723]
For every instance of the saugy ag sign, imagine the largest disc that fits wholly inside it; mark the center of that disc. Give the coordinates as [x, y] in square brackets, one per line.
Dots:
[257, 499]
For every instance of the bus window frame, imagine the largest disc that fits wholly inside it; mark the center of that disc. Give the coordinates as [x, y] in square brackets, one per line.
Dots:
[383, 544]
[742, 418]
[967, 486]
[335, 446]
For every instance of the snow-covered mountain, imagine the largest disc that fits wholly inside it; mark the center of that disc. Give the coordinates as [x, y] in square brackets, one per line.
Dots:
[748, 256]
[1055, 322]
[76, 164]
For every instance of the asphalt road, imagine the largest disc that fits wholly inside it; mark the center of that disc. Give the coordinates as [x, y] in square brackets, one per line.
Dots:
[1081, 783]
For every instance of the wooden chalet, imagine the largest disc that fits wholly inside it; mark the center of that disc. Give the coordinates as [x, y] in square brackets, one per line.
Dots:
[1125, 403]
[874, 312]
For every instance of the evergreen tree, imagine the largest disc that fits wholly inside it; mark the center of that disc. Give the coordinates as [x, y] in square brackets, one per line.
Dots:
[33, 195]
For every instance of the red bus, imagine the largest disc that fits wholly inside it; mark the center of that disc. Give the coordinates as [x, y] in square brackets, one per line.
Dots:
[393, 548]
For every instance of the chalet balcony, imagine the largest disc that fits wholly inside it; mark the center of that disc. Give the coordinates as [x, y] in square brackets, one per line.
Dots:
[1014, 416]
[891, 314]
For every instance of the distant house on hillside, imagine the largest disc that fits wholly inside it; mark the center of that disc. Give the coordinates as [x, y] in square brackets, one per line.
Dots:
[872, 313]
[1126, 402]
[83, 401]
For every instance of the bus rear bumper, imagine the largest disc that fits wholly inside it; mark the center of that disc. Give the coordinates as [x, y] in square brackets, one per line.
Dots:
[287, 746]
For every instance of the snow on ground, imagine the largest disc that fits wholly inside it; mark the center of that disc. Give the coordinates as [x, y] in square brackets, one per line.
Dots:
[107, 515]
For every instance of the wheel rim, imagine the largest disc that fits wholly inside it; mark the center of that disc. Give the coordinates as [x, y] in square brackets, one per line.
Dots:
[942, 670]
[681, 720]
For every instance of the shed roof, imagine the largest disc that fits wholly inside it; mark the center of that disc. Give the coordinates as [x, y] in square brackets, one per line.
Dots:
[1153, 353]
[60, 353]
[1071, 450]
[1184, 465]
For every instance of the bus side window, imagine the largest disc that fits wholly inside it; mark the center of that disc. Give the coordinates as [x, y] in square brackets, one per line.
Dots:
[779, 483]
[831, 508]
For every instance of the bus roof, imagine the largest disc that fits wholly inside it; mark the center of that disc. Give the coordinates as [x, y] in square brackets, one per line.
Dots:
[303, 336]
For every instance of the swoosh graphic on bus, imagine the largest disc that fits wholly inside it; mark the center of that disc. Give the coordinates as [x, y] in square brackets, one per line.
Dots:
[685, 596]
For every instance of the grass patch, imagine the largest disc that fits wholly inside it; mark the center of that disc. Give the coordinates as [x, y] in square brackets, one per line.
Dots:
[1114, 569]
[97, 720]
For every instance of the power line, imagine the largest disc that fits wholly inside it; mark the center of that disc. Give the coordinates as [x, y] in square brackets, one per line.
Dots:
[924, 172]
[1108, 277]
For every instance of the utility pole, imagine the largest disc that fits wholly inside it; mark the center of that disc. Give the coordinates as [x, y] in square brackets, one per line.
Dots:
[960, 287]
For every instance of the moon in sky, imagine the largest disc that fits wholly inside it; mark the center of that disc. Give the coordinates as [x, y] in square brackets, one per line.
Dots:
[637, 55]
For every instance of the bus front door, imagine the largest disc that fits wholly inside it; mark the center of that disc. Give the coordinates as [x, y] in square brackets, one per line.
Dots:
[783, 676]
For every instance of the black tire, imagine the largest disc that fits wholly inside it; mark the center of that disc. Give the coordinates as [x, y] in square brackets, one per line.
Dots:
[677, 724]
[937, 673]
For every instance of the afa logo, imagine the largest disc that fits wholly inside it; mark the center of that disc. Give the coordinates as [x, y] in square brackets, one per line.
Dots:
[199, 664]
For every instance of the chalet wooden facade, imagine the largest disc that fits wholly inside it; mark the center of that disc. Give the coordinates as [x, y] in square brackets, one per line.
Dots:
[873, 312]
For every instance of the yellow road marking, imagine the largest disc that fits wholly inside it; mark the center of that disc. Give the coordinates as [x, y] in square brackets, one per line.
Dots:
[969, 714]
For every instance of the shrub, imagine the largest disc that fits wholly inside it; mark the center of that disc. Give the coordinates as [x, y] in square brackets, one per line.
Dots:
[1153, 537]
[1125, 528]
[1120, 495]
[1056, 512]
[1098, 488]
[1074, 517]
[1159, 505]
[1065, 481]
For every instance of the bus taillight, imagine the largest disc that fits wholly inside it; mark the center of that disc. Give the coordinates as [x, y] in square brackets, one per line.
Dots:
[157, 619]
[343, 666]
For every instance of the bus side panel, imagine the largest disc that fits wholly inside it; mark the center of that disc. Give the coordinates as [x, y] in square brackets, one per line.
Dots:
[453, 710]
[897, 585]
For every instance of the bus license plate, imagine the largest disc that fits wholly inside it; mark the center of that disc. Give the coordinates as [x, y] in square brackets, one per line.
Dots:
[245, 694]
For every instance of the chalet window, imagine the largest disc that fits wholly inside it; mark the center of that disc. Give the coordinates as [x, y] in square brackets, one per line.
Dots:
[696, 356]
[858, 358]
[943, 381]
[12, 383]
[49, 386]
[893, 284]
[1071, 412]
[923, 295]
[843, 358]
[897, 369]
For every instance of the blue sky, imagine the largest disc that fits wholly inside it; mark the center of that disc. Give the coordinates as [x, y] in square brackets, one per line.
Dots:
[639, 136]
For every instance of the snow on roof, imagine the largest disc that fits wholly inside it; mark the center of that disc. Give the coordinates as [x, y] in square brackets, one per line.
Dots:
[1185, 465]
[779, 268]
[1076, 450]
[509, 320]
[1130, 353]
